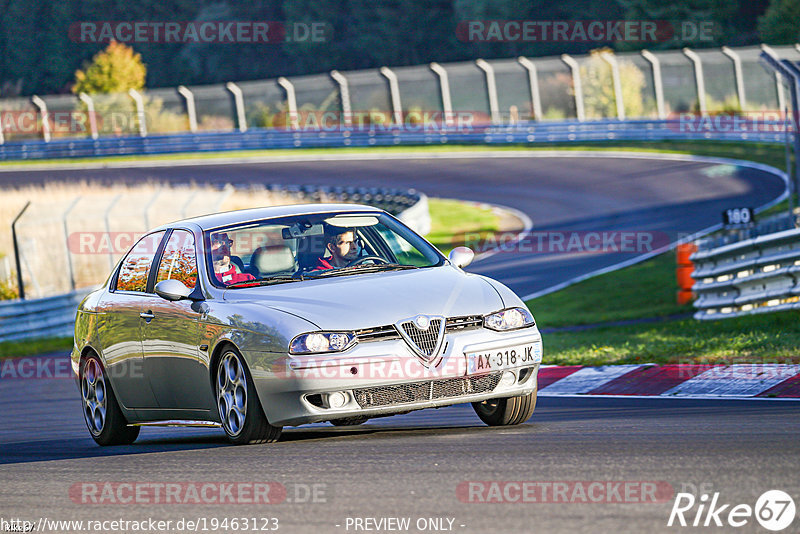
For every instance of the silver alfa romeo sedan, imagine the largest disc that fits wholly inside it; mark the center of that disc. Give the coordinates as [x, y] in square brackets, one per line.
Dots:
[257, 319]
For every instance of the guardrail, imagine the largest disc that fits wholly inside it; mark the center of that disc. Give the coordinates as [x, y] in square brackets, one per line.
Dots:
[521, 133]
[756, 275]
[55, 316]
[51, 316]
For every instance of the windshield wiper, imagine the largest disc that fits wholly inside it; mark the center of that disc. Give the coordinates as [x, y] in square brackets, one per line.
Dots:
[280, 279]
[342, 271]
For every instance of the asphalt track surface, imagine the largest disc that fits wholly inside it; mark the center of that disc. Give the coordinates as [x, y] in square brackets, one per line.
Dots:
[412, 465]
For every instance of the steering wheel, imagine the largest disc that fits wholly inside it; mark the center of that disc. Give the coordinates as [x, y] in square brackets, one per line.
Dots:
[359, 261]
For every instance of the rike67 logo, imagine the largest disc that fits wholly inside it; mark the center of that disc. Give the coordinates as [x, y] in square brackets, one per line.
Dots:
[774, 510]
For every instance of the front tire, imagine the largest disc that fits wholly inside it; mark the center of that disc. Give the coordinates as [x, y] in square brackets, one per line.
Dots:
[101, 411]
[507, 411]
[240, 411]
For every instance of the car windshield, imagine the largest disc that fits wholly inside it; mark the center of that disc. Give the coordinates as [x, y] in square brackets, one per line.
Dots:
[297, 248]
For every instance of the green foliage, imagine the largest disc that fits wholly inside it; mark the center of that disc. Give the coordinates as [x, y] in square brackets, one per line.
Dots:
[453, 221]
[114, 70]
[722, 14]
[160, 120]
[779, 25]
[32, 347]
[8, 291]
[599, 99]
[727, 106]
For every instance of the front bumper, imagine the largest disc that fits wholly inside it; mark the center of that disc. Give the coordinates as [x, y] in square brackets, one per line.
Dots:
[385, 377]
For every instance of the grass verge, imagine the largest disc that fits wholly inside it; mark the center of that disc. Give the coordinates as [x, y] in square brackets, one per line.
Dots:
[647, 291]
[452, 219]
[28, 347]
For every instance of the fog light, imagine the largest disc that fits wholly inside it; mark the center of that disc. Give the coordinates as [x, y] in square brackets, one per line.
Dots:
[336, 400]
[508, 378]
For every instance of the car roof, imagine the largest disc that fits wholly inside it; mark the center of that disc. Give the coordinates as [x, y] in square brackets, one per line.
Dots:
[216, 220]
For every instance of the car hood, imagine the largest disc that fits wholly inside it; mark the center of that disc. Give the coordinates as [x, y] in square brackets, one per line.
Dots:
[377, 299]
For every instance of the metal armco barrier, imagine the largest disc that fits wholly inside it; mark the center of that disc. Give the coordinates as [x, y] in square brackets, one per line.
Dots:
[520, 133]
[47, 317]
[55, 316]
[757, 275]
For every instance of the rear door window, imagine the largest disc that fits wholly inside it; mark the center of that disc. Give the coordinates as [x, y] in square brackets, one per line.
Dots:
[136, 266]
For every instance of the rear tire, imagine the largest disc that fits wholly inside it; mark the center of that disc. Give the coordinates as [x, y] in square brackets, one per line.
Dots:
[350, 421]
[101, 412]
[240, 411]
[506, 411]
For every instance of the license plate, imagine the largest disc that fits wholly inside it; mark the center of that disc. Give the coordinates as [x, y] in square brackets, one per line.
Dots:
[504, 358]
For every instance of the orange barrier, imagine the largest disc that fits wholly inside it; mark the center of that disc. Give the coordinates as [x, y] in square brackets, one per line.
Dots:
[683, 272]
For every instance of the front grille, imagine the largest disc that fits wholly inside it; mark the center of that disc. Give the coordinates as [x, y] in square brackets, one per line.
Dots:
[379, 333]
[389, 332]
[425, 340]
[463, 323]
[423, 391]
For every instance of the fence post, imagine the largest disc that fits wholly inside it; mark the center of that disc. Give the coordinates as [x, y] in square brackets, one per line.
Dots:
[491, 88]
[139, 101]
[238, 104]
[70, 268]
[86, 99]
[42, 106]
[794, 73]
[187, 204]
[700, 81]
[444, 86]
[226, 192]
[533, 82]
[778, 83]
[658, 84]
[737, 73]
[291, 101]
[576, 84]
[147, 209]
[108, 230]
[17, 259]
[394, 93]
[191, 112]
[611, 59]
[785, 70]
[344, 97]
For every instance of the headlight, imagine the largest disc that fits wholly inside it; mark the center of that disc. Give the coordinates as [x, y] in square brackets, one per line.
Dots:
[318, 342]
[509, 319]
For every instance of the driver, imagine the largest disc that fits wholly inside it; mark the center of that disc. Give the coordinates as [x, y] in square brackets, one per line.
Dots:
[342, 246]
[225, 270]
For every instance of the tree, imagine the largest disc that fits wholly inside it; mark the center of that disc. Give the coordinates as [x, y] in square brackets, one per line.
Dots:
[599, 98]
[687, 19]
[113, 70]
[779, 23]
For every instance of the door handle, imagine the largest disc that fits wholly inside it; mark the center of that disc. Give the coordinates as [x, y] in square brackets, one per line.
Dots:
[147, 316]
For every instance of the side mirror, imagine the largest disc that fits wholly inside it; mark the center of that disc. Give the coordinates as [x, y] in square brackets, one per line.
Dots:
[461, 256]
[172, 290]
